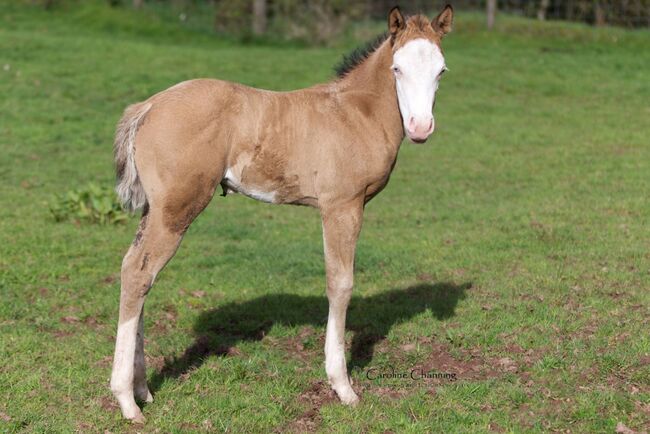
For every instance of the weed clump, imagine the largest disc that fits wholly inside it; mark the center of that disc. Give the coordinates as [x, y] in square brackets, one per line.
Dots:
[89, 204]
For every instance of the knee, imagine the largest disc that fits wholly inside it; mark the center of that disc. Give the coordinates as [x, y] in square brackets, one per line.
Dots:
[136, 278]
[340, 287]
[144, 286]
[136, 287]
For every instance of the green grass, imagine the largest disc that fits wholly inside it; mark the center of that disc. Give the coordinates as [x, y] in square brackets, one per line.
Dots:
[512, 249]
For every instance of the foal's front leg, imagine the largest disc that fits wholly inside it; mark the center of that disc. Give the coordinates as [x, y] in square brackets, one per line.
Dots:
[341, 226]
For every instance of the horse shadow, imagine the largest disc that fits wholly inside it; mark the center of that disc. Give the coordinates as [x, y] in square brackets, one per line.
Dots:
[370, 318]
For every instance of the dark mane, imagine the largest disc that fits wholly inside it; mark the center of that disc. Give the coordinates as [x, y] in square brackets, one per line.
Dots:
[358, 55]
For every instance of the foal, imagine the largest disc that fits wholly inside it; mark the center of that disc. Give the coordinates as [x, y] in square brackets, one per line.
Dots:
[331, 146]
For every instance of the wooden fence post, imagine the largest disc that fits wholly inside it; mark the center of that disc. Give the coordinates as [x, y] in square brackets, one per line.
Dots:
[259, 17]
[491, 13]
[543, 8]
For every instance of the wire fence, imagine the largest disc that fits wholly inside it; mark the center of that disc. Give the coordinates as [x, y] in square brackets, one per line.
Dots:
[626, 13]
[320, 22]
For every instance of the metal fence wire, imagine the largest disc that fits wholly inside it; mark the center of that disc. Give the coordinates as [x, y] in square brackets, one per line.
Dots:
[626, 13]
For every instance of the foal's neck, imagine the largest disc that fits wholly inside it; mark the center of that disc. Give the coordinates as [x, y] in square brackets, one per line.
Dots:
[374, 76]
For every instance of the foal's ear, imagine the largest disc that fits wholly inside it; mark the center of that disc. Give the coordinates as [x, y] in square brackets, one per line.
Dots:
[396, 22]
[442, 23]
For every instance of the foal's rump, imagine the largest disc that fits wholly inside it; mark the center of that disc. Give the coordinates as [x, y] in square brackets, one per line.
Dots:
[173, 139]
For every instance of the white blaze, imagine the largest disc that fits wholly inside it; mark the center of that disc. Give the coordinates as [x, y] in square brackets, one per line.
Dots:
[417, 67]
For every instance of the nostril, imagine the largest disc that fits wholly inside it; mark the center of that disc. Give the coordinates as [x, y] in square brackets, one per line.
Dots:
[412, 123]
[430, 124]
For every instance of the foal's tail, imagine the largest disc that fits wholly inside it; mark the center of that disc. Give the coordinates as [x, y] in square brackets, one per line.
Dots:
[129, 189]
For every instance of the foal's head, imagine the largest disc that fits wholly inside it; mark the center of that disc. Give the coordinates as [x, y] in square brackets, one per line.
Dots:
[418, 64]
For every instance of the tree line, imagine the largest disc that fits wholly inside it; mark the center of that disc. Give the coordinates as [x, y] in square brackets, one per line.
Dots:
[320, 20]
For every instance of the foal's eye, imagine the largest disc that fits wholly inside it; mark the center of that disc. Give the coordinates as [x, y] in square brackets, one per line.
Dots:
[396, 70]
[443, 71]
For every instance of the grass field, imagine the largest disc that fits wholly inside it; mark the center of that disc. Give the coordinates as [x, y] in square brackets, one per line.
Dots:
[512, 250]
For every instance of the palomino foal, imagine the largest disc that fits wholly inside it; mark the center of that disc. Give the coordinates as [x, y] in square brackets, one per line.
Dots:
[331, 146]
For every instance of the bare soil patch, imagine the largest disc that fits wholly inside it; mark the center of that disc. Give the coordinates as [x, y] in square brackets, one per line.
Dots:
[315, 396]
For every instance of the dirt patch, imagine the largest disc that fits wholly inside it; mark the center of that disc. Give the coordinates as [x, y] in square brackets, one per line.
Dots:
[425, 277]
[530, 297]
[469, 365]
[620, 381]
[622, 429]
[643, 408]
[110, 279]
[164, 320]
[408, 347]
[443, 365]
[108, 403]
[61, 334]
[85, 427]
[104, 362]
[63, 278]
[527, 358]
[315, 396]
[524, 357]
[644, 360]
[91, 322]
[507, 364]
[156, 362]
[495, 427]
[386, 392]
[306, 346]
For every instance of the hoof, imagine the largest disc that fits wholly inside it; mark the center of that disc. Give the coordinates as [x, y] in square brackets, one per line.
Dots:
[348, 397]
[138, 419]
[144, 396]
[130, 410]
[352, 401]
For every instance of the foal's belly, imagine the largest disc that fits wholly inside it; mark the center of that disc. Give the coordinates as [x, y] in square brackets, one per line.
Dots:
[268, 180]
[232, 183]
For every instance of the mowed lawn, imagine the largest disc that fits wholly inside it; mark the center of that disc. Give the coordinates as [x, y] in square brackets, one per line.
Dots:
[511, 250]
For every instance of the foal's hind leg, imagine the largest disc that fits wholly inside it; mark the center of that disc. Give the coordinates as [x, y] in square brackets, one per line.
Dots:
[154, 245]
[140, 389]
[160, 233]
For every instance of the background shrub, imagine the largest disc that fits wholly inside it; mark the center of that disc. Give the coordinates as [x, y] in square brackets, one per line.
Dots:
[91, 204]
